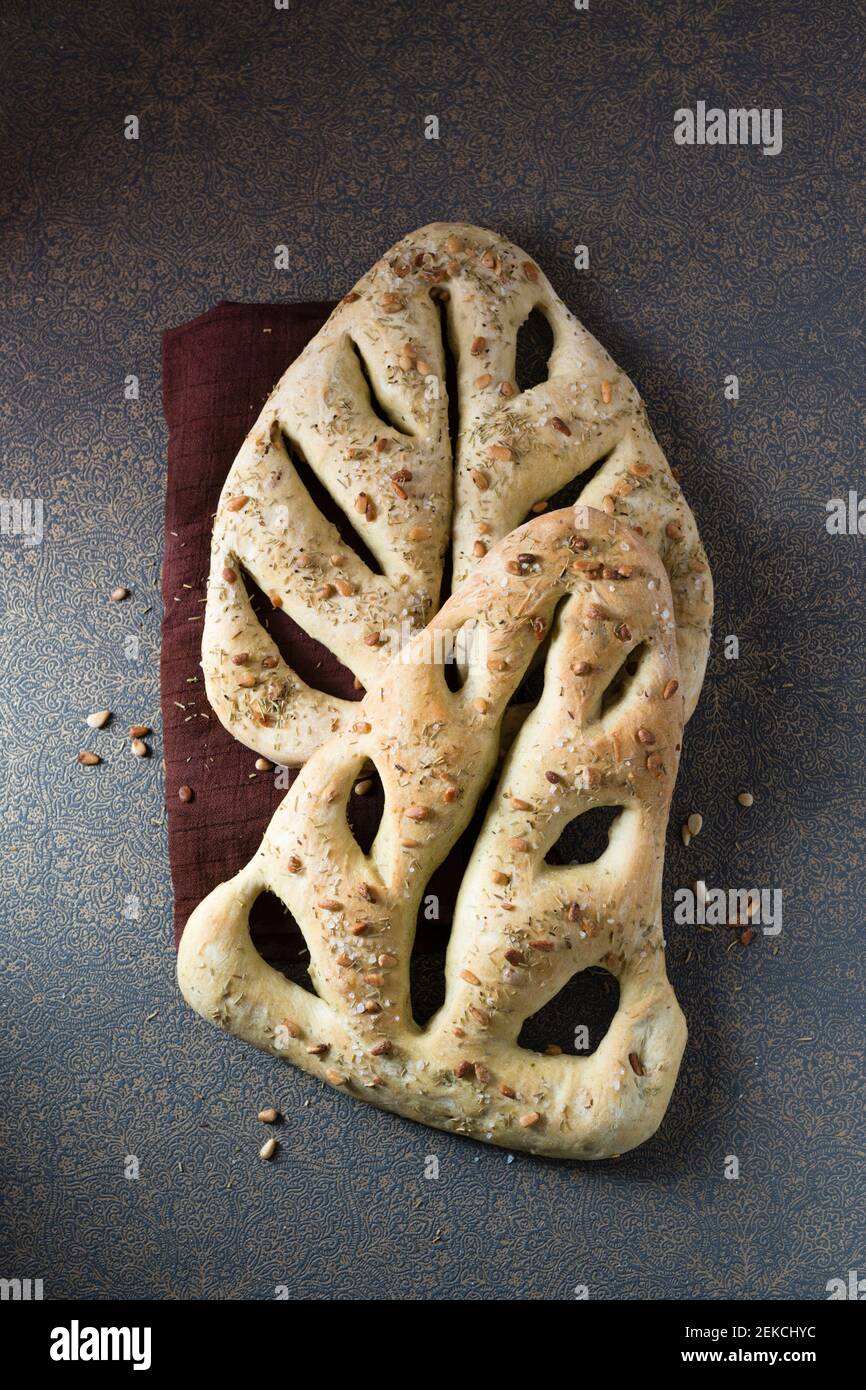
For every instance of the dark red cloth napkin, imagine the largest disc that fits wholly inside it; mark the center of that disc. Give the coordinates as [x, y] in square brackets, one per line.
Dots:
[217, 372]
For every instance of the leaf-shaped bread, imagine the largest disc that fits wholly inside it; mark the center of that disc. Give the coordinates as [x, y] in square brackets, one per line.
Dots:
[364, 414]
[606, 731]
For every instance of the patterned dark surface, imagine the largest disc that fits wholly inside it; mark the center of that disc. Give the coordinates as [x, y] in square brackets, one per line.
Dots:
[305, 127]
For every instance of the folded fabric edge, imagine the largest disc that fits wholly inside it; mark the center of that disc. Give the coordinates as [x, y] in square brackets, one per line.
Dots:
[311, 308]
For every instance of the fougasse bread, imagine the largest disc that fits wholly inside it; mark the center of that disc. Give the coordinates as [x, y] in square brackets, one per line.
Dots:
[364, 411]
[595, 597]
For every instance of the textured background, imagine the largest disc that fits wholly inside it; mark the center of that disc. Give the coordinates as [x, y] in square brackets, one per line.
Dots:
[306, 127]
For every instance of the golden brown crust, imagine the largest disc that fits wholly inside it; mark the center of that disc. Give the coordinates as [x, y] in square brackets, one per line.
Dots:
[522, 927]
[514, 450]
